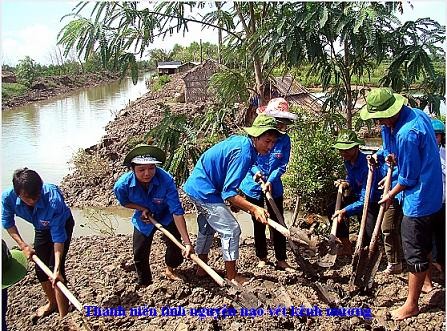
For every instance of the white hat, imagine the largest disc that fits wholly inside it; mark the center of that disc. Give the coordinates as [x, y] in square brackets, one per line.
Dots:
[278, 108]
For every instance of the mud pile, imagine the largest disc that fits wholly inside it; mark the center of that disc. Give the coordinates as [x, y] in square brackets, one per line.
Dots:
[101, 274]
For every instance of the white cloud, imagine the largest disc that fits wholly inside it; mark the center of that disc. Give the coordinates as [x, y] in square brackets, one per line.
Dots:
[36, 41]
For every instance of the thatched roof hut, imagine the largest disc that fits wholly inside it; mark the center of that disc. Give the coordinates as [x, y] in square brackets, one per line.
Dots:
[197, 81]
[294, 93]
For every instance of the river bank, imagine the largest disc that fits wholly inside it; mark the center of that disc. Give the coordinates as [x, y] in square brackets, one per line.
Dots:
[48, 87]
[91, 183]
[101, 273]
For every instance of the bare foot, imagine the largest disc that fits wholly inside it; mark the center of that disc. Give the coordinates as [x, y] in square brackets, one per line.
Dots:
[46, 310]
[404, 312]
[283, 265]
[262, 263]
[171, 275]
[427, 288]
[239, 280]
[43, 311]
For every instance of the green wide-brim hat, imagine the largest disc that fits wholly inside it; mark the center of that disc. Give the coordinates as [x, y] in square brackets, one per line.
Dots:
[382, 103]
[15, 270]
[262, 124]
[145, 154]
[347, 139]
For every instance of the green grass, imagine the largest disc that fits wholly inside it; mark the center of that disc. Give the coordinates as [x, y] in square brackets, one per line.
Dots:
[159, 81]
[10, 90]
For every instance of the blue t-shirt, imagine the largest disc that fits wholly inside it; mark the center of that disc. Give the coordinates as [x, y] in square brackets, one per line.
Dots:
[413, 142]
[357, 177]
[161, 198]
[272, 165]
[220, 170]
[49, 213]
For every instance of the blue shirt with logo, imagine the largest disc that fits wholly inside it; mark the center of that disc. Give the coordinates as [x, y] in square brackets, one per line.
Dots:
[413, 142]
[221, 169]
[357, 177]
[272, 165]
[49, 213]
[161, 198]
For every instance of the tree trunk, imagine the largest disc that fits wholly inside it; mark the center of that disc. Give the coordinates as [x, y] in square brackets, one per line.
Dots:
[349, 105]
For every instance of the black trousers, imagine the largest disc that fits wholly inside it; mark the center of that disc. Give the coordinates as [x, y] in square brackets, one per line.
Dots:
[142, 249]
[279, 241]
[44, 247]
[438, 225]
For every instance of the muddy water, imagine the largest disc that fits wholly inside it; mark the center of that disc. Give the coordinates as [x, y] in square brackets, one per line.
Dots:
[44, 135]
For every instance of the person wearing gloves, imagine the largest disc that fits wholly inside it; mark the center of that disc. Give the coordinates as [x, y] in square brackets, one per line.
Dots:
[215, 180]
[356, 166]
[14, 268]
[270, 167]
[438, 253]
[151, 192]
[43, 206]
[408, 135]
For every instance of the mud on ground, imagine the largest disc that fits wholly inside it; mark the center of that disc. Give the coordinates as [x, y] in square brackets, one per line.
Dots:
[100, 273]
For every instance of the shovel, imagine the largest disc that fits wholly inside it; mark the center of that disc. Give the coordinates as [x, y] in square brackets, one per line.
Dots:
[79, 306]
[368, 274]
[249, 300]
[294, 234]
[361, 253]
[329, 259]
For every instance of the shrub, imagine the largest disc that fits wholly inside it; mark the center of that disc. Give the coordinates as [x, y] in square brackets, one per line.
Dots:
[159, 81]
[27, 71]
[10, 90]
[314, 164]
[90, 167]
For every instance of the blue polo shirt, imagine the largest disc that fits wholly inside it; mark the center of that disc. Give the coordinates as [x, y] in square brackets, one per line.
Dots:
[161, 198]
[49, 213]
[357, 176]
[221, 169]
[413, 142]
[272, 165]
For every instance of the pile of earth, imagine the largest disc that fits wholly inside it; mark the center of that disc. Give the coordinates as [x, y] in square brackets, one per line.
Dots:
[47, 87]
[101, 273]
[93, 184]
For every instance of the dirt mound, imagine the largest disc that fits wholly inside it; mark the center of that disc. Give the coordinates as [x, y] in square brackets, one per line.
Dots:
[101, 274]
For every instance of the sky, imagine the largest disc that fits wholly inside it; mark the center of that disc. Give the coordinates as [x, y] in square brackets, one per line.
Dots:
[31, 27]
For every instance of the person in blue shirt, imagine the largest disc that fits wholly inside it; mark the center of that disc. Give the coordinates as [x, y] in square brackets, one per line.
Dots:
[409, 136]
[151, 192]
[44, 207]
[215, 180]
[271, 167]
[356, 165]
[438, 253]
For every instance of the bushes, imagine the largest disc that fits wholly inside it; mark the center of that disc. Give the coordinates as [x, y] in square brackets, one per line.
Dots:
[159, 81]
[314, 164]
[10, 90]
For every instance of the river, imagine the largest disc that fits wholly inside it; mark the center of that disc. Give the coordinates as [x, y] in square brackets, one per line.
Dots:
[44, 135]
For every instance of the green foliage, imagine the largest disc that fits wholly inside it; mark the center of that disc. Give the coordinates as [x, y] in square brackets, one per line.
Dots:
[230, 86]
[178, 138]
[26, 71]
[313, 165]
[157, 82]
[10, 90]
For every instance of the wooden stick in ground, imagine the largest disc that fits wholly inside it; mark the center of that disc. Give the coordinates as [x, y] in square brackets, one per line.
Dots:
[59, 284]
[217, 278]
[359, 254]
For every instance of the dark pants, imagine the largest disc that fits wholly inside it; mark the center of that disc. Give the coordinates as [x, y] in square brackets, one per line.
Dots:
[279, 241]
[142, 249]
[4, 308]
[343, 227]
[44, 247]
[438, 224]
[391, 223]
[417, 242]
